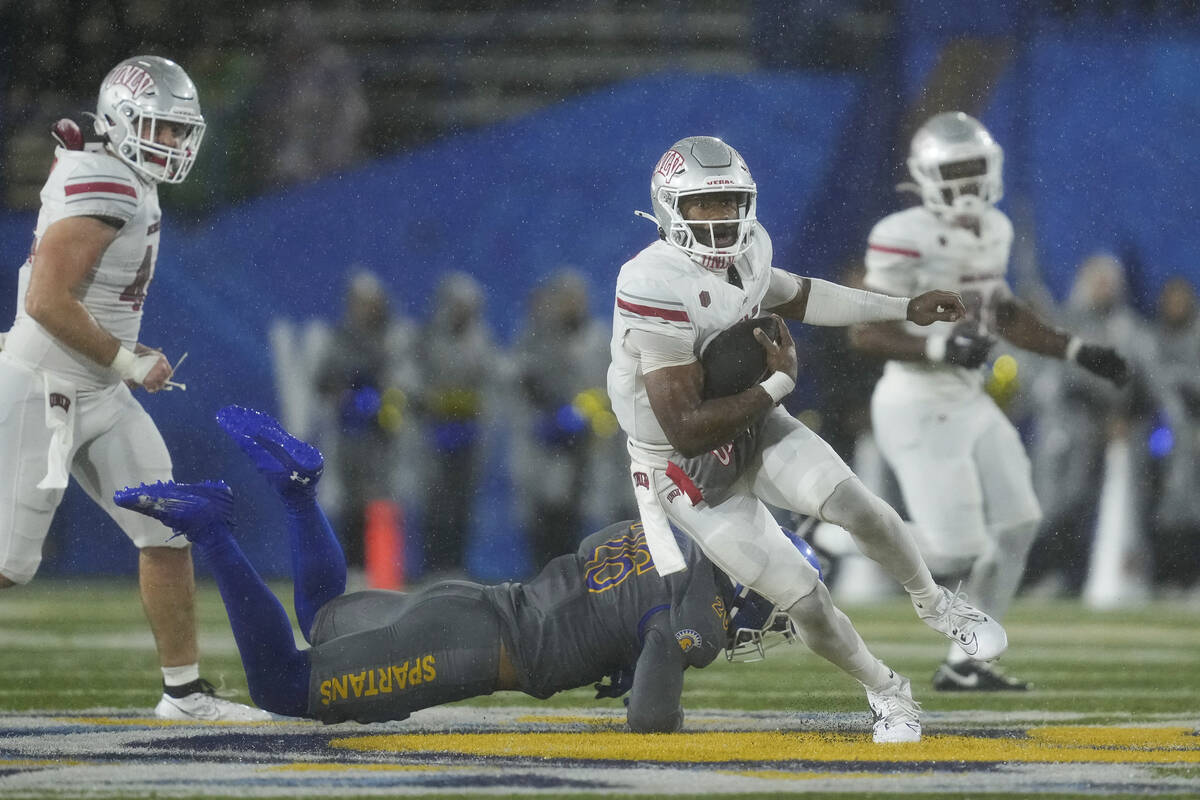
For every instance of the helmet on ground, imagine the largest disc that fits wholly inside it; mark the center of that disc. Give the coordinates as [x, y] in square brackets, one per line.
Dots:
[957, 164]
[137, 98]
[700, 165]
[757, 624]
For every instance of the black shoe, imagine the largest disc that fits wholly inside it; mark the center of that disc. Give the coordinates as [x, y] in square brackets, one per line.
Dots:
[975, 676]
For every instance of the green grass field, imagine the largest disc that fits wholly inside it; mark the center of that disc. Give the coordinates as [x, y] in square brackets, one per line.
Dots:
[70, 648]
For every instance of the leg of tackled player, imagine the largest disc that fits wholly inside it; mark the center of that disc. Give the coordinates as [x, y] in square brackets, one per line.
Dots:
[276, 672]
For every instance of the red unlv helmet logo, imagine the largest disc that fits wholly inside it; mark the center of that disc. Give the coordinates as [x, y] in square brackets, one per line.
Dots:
[670, 165]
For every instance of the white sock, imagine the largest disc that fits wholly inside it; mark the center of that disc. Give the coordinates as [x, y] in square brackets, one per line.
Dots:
[178, 676]
[828, 632]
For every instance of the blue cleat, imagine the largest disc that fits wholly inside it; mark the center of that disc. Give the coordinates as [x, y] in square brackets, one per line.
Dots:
[290, 465]
[190, 509]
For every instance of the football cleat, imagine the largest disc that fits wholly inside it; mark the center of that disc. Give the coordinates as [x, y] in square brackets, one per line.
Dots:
[290, 465]
[203, 705]
[979, 636]
[190, 509]
[976, 676]
[897, 715]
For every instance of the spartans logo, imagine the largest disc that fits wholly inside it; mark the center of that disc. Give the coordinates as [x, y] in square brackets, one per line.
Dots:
[688, 639]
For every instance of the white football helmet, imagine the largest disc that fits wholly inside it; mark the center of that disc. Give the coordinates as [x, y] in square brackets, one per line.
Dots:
[956, 164]
[136, 98]
[703, 165]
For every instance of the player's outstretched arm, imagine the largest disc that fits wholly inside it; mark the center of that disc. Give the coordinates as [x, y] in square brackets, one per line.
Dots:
[1017, 323]
[820, 302]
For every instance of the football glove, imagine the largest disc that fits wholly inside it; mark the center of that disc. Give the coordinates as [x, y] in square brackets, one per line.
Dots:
[618, 684]
[67, 133]
[1103, 361]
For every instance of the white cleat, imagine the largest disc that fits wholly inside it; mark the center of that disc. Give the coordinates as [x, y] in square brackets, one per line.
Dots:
[979, 636]
[205, 706]
[897, 715]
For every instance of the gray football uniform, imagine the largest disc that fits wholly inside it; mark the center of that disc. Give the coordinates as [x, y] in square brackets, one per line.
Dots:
[602, 611]
[710, 477]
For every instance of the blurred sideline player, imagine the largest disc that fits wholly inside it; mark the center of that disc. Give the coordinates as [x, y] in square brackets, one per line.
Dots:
[73, 354]
[960, 463]
[706, 465]
[379, 655]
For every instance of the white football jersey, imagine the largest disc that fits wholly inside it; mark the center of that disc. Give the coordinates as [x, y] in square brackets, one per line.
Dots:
[914, 251]
[663, 291]
[93, 183]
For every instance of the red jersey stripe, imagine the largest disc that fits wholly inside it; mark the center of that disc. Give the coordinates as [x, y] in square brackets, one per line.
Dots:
[681, 479]
[108, 187]
[900, 251]
[651, 311]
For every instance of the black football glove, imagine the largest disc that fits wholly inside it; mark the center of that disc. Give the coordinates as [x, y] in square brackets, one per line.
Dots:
[1103, 361]
[968, 347]
[618, 684]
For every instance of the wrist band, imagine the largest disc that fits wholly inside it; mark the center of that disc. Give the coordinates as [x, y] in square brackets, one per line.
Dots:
[779, 385]
[1072, 348]
[935, 348]
[123, 362]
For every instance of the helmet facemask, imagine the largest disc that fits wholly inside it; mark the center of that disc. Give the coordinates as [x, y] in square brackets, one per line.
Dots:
[756, 625]
[139, 146]
[714, 244]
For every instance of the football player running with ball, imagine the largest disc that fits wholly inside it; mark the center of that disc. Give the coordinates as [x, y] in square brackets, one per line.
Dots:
[706, 465]
[73, 355]
[377, 655]
[960, 463]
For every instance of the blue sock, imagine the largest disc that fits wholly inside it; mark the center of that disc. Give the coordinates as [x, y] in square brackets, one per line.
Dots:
[276, 672]
[318, 563]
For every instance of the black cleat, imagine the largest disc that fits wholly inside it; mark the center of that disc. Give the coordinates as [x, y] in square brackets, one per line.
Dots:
[976, 676]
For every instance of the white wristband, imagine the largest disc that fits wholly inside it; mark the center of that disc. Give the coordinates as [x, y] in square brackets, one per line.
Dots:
[123, 363]
[134, 368]
[1072, 348]
[779, 385]
[935, 348]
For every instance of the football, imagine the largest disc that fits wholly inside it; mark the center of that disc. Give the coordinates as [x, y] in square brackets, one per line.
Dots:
[734, 360]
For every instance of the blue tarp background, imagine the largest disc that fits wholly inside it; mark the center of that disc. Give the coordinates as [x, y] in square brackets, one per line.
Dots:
[1101, 148]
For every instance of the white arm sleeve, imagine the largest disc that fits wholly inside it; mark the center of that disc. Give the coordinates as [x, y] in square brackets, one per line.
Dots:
[783, 288]
[658, 350]
[833, 304]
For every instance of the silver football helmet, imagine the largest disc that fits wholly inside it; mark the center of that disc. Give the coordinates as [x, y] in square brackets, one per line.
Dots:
[703, 165]
[956, 164]
[137, 98]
